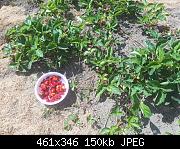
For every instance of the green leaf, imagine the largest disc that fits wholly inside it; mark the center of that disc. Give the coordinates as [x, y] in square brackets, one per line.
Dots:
[29, 65]
[176, 56]
[154, 84]
[164, 83]
[116, 111]
[136, 89]
[90, 119]
[179, 122]
[133, 121]
[99, 43]
[176, 99]
[176, 45]
[13, 65]
[100, 91]
[105, 131]
[73, 117]
[28, 21]
[168, 62]
[150, 45]
[67, 126]
[145, 110]
[39, 53]
[18, 57]
[161, 55]
[7, 49]
[114, 90]
[153, 33]
[114, 130]
[135, 53]
[160, 98]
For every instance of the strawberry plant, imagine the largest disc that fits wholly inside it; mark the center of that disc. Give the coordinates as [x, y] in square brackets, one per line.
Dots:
[151, 13]
[43, 38]
[148, 75]
[156, 69]
[71, 120]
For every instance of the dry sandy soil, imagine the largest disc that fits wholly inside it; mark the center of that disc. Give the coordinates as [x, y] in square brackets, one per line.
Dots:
[21, 113]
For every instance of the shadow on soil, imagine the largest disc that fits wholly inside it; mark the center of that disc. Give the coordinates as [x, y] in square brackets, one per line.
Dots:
[69, 70]
[168, 112]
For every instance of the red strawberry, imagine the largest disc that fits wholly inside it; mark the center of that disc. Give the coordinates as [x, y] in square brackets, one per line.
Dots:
[63, 87]
[53, 90]
[46, 93]
[53, 83]
[58, 88]
[58, 83]
[43, 86]
[55, 78]
[56, 97]
[46, 82]
[52, 94]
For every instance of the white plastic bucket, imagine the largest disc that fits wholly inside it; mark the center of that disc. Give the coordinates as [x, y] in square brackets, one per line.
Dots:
[44, 76]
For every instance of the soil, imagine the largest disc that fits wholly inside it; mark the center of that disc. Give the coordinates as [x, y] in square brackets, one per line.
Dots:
[21, 113]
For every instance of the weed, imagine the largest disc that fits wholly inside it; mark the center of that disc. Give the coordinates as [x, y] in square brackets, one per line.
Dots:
[73, 84]
[47, 112]
[71, 120]
[91, 120]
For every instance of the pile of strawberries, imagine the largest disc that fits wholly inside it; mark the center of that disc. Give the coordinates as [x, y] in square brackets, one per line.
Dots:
[52, 89]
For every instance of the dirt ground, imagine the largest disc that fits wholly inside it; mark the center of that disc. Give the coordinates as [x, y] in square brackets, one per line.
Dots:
[21, 113]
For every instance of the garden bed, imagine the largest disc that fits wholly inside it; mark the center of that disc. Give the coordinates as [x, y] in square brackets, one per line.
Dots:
[21, 113]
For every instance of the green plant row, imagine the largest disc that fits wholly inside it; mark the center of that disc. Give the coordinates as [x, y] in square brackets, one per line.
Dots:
[148, 75]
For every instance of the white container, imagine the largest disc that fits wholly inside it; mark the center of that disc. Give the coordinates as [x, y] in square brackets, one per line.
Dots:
[44, 76]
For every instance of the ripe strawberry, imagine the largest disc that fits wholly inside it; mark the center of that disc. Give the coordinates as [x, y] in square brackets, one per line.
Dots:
[53, 90]
[52, 94]
[58, 83]
[63, 87]
[58, 88]
[46, 82]
[46, 93]
[55, 78]
[49, 78]
[53, 83]
[43, 86]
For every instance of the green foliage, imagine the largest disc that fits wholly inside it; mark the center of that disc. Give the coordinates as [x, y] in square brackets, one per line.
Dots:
[72, 119]
[46, 37]
[56, 35]
[91, 120]
[113, 130]
[151, 13]
[73, 85]
[156, 69]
